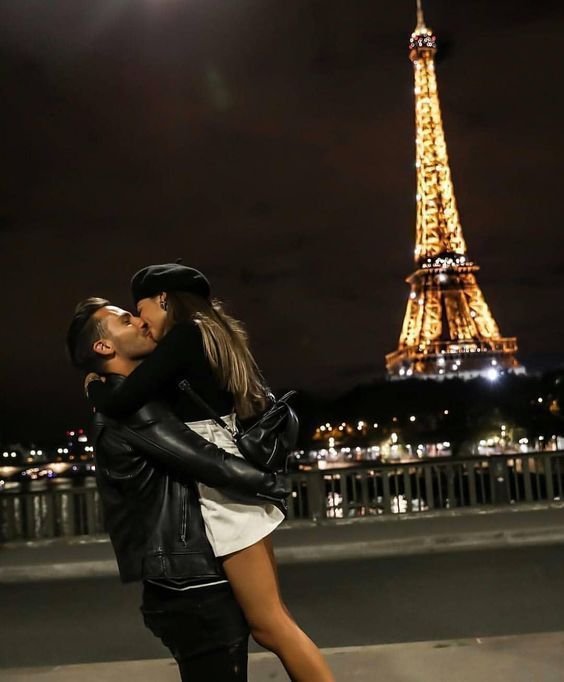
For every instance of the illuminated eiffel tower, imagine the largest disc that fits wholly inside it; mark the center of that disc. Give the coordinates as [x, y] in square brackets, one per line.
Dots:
[448, 329]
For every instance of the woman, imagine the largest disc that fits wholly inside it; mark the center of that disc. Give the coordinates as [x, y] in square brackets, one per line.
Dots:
[199, 342]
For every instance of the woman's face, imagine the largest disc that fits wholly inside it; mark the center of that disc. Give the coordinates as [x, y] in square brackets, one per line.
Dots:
[151, 312]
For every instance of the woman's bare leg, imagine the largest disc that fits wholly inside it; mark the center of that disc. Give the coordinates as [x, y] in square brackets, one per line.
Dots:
[253, 577]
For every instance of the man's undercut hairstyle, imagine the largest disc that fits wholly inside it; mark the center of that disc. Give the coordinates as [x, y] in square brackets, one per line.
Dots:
[84, 331]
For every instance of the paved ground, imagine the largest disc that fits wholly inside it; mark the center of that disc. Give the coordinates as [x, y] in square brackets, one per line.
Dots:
[396, 581]
[532, 658]
[359, 602]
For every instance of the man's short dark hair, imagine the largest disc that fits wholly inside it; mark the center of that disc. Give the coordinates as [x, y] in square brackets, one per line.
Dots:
[83, 332]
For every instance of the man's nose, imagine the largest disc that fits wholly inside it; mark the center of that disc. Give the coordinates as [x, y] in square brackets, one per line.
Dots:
[140, 323]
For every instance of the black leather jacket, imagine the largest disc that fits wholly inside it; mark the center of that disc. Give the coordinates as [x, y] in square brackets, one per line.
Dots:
[147, 466]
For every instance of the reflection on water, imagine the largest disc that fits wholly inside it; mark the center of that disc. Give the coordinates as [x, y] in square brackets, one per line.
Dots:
[22, 479]
[399, 504]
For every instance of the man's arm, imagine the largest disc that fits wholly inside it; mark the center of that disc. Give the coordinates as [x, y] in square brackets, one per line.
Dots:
[162, 437]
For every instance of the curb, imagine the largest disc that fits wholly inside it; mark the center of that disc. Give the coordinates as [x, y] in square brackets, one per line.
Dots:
[490, 658]
[311, 553]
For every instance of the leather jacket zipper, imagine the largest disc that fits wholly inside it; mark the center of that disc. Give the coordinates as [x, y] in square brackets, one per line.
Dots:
[183, 520]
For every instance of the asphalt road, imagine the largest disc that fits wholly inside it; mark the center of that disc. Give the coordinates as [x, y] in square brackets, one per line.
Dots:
[396, 599]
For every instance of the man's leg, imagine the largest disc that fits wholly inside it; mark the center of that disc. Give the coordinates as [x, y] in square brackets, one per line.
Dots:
[204, 629]
[229, 663]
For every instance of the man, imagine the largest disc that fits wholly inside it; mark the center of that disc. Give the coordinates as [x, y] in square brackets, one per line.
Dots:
[146, 468]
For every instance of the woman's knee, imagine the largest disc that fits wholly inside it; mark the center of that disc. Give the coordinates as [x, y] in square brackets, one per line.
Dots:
[271, 626]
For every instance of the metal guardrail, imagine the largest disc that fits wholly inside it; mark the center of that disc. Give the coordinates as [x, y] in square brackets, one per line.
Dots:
[362, 490]
[50, 513]
[430, 485]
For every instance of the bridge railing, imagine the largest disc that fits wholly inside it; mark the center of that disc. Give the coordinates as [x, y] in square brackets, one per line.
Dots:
[364, 490]
[430, 485]
[52, 513]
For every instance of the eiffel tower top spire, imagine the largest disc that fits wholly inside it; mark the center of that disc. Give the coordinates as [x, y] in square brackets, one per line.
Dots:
[420, 18]
[422, 39]
[438, 225]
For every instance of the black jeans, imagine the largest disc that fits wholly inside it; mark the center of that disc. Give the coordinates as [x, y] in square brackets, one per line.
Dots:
[204, 629]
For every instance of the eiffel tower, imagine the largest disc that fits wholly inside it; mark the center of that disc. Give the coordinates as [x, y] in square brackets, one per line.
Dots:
[448, 329]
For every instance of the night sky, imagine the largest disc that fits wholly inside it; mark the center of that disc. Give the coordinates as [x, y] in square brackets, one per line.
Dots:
[269, 143]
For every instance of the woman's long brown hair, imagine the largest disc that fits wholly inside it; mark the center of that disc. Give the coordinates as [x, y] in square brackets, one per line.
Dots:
[226, 344]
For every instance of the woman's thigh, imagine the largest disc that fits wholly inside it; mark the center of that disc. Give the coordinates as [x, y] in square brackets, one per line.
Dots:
[253, 578]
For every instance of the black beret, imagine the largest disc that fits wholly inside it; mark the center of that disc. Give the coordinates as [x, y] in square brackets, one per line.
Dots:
[153, 279]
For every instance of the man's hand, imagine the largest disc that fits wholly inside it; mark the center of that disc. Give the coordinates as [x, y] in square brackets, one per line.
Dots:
[277, 487]
[283, 485]
[92, 376]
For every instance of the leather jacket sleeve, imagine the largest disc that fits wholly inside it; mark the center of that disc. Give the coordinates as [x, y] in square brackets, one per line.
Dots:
[156, 432]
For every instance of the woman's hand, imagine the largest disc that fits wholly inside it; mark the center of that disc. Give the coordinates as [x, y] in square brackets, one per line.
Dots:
[92, 376]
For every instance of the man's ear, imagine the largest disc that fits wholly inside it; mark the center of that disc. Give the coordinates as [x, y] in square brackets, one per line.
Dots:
[103, 347]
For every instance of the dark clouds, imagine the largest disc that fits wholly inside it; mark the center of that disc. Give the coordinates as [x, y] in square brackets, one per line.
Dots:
[270, 144]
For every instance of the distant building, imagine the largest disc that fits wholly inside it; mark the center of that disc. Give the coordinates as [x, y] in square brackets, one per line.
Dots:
[76, 447]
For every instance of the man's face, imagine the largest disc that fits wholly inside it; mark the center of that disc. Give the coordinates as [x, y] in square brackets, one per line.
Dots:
[126, 336]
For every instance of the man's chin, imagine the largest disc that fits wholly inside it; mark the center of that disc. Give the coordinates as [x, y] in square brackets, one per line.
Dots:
[146, 350]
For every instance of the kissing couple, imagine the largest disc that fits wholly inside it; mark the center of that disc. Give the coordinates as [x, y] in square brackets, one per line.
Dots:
[187, 514]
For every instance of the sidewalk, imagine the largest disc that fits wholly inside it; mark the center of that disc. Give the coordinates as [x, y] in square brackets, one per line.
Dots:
[304, 541]
[522, 658]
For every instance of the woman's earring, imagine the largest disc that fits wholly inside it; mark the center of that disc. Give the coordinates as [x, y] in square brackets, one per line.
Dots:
[164, 305]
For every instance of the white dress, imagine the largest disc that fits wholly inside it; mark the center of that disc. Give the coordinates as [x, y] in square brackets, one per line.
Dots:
[231, 526]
